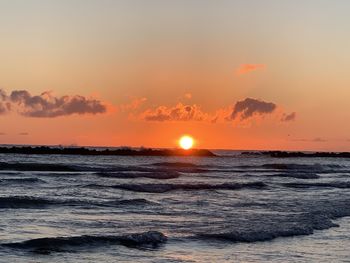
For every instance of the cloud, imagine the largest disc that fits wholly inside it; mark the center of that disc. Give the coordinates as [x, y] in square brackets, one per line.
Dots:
[3, 95]
[180, 112]
[46, 105]
[245, 68]
[221, 115]
[242, 112]
[249, 107]
[23, 133]
[4, 105]
[188, 95]
[3, 108]
[133, 105]
[288, 117]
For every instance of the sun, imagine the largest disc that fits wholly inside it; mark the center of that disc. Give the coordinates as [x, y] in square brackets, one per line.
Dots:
[186, 142]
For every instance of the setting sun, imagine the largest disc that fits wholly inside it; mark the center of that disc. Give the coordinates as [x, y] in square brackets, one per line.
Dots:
[186, 142]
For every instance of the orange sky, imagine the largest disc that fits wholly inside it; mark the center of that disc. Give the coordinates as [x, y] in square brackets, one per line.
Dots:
[233, 74]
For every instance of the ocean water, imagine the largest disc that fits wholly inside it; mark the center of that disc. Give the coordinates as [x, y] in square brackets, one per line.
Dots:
[232, 208]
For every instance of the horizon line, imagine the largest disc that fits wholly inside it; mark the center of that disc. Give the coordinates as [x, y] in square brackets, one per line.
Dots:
[146, 147]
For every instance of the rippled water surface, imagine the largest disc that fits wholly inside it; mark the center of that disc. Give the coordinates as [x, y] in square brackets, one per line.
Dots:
[236, 208]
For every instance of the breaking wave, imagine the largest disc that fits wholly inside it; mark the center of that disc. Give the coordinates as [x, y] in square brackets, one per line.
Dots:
[293, 225]
[59, 244]
[260, 235]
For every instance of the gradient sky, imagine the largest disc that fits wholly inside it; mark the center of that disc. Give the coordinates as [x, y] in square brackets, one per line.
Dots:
[138, 58]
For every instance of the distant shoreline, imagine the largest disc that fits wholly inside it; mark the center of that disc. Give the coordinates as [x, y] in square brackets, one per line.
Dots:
[115, 152]
[288, 154]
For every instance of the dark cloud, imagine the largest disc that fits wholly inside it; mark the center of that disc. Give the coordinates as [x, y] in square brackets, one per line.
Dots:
[249, 107]
[49, 106]
[23, 133]
[288, 117]
[180, 112]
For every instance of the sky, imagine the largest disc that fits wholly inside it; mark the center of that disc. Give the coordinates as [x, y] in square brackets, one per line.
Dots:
[247, 74]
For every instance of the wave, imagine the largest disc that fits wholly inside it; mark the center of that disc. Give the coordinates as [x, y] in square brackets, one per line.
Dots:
[36, 167]
[130, 175]
[59, 174]
[261, 234]
[316, 167]
[24, 202]
[254, 236]
[292, 166]
[318, 185]
[315, 215]
[182, 167]
[162, 188]
[30, 202]
[13, 202]
[24, 180]
[296, 175]
[176, 164]
[59, 244]
[291, 225]
[131, 202]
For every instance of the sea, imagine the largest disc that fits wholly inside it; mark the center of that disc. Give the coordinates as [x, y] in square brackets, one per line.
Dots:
[229, 208]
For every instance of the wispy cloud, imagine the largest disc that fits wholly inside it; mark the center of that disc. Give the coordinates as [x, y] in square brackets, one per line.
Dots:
[245, 68]
[188, 95]
[288, 117]
[4, 107]
[134, 104]
[317, 140]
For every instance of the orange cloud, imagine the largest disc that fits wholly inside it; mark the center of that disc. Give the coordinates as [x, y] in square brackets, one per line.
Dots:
[180, 112]
[221, 115]
[241, 113]
[245, 68]
[188, 95]
[134, 104]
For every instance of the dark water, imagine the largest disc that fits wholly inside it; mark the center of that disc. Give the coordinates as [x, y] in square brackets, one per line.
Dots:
[166, 209]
